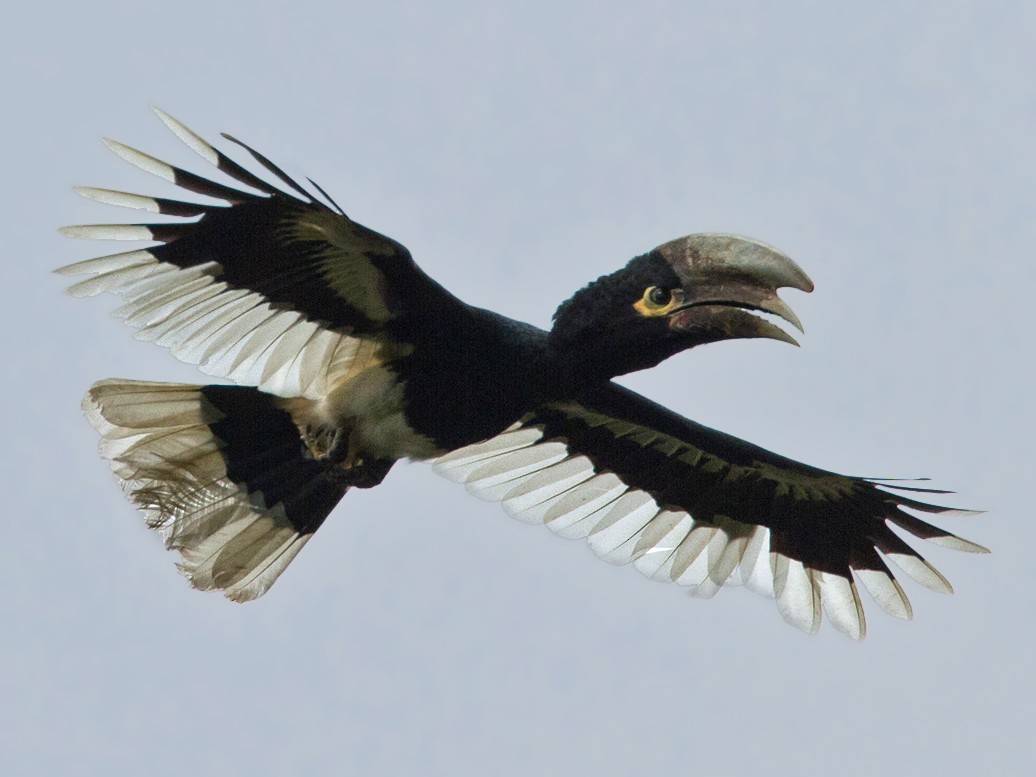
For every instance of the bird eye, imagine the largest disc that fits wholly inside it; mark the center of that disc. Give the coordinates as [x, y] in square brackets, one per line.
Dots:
[657, 297]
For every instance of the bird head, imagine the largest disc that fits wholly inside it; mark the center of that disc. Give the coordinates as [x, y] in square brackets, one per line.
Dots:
[690, 291]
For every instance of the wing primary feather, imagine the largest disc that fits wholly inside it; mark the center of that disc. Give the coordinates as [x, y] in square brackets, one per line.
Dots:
[105, 264]
[191, 139]
[841, 602]
[924, 507]
[283, 176]
[327, 197]
[212, 155]
[922, 572]
[112, 280]
[108, 232]
[890, 483]
[881, 584]
[142, 202]
[798, 597]
[912, 562]
[927, 531]
[175, 175]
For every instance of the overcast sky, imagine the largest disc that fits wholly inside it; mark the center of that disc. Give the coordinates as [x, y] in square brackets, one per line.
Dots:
[886, 147]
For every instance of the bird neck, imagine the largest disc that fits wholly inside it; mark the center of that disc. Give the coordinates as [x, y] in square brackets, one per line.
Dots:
[580, 363]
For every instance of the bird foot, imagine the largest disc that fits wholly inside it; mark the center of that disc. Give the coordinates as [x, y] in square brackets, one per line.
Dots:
[326, 443]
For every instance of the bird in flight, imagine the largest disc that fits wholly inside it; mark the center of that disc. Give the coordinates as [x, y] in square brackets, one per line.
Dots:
[345, 357]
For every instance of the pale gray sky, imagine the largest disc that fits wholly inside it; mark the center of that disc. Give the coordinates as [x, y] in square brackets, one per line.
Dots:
[519, 152]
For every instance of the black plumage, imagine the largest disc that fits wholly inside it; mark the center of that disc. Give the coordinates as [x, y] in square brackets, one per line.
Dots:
[349, 357]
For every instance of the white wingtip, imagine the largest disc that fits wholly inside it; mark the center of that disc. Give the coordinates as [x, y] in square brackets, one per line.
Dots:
[954, 542]
[139, 159]
[120, 199]
[887, 592]
[191, 139]
[922, 572]
[107, 232]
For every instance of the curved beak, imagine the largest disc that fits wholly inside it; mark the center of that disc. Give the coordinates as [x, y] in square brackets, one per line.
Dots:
[726, 277]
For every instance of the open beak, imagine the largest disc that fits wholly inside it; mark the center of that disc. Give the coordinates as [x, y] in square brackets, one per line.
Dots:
[725, 278]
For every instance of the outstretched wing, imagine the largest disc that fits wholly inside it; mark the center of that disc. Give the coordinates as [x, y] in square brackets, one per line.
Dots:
[687, 504]
[271, 288]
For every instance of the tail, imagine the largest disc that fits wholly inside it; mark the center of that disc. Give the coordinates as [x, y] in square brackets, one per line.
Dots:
[221, 471]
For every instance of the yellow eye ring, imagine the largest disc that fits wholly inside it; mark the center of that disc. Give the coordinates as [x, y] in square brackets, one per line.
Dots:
[655, 301]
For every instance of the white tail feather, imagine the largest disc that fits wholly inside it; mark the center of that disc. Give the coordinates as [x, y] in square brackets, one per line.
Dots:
[158, 439]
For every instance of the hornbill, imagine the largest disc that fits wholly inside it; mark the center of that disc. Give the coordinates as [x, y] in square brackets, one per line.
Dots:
[347, 357]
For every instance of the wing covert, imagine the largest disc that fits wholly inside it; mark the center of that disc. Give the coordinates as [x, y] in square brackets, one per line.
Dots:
[687, 504]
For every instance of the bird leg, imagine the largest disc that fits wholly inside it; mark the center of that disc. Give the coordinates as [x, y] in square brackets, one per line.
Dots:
[337, 447]
[320, 440]
[331, 444]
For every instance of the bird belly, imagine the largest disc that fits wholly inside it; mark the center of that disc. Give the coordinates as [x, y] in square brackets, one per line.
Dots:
[369, 408]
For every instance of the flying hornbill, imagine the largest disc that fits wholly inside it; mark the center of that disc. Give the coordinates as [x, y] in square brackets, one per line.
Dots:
[347, 357]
